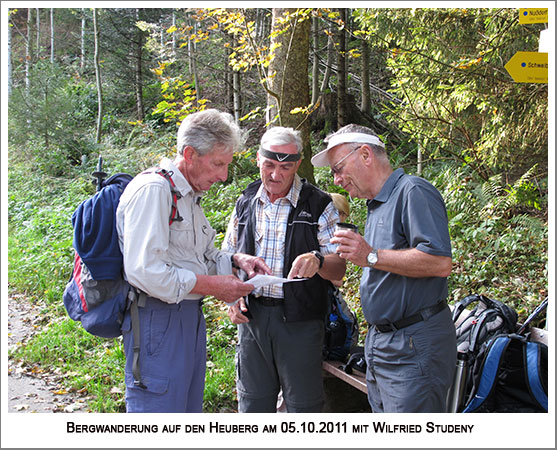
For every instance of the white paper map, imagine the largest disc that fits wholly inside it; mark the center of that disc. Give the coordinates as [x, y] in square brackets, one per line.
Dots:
[266, 280]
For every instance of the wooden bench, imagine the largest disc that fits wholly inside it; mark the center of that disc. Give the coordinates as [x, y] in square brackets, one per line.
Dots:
[355, 379]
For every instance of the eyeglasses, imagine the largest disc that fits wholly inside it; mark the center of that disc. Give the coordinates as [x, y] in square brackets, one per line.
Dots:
[336, 170]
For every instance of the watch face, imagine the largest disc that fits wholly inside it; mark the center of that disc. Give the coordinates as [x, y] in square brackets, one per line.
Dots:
[372, 258]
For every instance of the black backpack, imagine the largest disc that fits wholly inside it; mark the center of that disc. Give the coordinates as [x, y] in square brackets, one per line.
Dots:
[487, 319]
[512, 375]
[341, 327]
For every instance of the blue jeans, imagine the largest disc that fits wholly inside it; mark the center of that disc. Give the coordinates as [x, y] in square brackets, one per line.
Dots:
[172, 357]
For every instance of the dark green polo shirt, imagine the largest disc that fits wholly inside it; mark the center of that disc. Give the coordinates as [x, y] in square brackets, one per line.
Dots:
[409, 212]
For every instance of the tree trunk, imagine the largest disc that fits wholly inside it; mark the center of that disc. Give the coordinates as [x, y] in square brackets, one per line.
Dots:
[330, 54]
[138, 44]
[38, 36]
[82, 62]
[289, 72]
[237, 96]
[52, 35]
[365, 106]
[315, 68]
[28, 48]
[342, 111]
[193, 63]
[98, 76]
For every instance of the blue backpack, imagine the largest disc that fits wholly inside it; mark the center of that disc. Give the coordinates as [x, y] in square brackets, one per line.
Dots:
[341, 327]
[513, 375]
[97, 295]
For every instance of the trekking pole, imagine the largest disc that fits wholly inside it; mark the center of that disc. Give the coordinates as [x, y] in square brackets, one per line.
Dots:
[99, 175]
[535, 314]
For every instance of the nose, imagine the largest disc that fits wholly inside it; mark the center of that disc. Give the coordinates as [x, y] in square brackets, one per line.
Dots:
[336, 178]
[223, 174]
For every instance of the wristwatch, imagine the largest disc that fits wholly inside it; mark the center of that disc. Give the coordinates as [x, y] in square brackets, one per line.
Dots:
[319, 256]
[372, 257]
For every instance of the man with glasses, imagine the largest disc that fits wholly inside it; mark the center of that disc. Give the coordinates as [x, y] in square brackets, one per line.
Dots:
[176, 265]
[405, 253]
[288, 223]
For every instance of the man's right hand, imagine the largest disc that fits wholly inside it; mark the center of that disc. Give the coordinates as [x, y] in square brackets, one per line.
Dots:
[227, 288]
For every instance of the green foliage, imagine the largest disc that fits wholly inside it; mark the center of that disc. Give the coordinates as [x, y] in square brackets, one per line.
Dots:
[39, 247]
[447, 68]
[220, 385]
[50, 120]
[497, 246]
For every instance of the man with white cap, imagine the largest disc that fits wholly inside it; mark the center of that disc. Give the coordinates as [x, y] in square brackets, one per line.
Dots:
[406, 258]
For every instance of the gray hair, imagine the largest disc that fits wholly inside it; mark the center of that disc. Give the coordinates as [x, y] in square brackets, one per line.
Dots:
[281, 136]
[205, 130]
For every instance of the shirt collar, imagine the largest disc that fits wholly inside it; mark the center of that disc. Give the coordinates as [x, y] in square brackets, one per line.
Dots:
[292, 196]
[388, 187]
[180, 181]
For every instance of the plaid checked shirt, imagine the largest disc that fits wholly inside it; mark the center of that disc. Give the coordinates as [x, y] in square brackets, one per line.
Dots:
[270, 232]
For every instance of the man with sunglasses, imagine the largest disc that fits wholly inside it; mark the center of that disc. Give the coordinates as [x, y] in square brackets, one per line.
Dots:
[288, 223]
[406, 258]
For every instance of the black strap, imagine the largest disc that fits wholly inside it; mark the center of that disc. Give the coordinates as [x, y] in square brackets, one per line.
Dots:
[423, 314]
[136, 302]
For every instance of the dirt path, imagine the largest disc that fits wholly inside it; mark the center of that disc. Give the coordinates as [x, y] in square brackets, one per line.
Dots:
[31, 389]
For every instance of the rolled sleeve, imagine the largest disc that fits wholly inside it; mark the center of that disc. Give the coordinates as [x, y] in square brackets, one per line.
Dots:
[326, 229]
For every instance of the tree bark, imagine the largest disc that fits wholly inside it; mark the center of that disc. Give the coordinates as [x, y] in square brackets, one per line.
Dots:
[366, 92]
[98, 77]
[342, 111]
[28, 48]
[330, 55]
[193, 62]
[315, 68]
[52, 35]
[138, 44]
[82, 59]
[38, 36]
[289, 71]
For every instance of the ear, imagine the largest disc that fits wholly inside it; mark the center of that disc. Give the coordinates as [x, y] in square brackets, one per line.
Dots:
[258, 160]
[188, 154]
[367, 154]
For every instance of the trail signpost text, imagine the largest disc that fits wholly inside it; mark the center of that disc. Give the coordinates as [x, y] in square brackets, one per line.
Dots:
[533, 15]
[528, 67]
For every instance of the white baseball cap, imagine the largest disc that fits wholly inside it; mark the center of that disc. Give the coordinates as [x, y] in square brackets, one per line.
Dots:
[322, 158]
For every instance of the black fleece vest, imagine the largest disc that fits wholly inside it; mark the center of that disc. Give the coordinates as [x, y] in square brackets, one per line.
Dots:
[304, 300]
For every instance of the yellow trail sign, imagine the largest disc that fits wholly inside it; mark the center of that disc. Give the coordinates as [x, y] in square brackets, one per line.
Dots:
[533, 15]
[528, 67]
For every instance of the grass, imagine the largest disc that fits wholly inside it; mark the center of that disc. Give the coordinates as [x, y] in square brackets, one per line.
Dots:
[500, 246]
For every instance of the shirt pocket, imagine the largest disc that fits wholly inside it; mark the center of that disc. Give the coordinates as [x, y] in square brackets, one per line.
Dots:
[182, 235]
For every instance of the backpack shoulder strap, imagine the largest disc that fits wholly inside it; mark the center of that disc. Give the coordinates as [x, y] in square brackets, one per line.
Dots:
[174, 214]
[532, 358]
[489, 372]
[167, 175]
